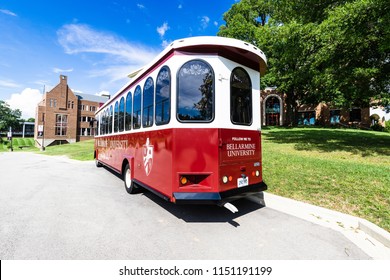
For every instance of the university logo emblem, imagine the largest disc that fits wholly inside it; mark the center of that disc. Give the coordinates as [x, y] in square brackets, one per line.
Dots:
[148, 157]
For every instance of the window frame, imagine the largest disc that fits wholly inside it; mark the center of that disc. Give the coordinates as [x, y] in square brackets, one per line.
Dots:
[116, 117]
[129, 115]
[163, 122]
[211, 119]
[61, 125]
[137, 91]
[121, 116]
[250, 94]
[148, 89]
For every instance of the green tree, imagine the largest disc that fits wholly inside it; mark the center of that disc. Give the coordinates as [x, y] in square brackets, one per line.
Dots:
[352, 64]
[244, 18]
[318, 50]
[289, 64]
[8, 117]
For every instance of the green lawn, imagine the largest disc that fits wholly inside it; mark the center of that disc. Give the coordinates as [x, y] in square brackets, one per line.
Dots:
[26, 143]
[344, 170]
[80, 151]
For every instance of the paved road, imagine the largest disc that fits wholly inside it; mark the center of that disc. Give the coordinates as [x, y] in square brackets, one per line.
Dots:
[56, 208]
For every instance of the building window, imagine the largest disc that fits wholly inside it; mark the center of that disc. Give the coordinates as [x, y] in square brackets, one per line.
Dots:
[85, 119]
[85, 132]
[53, 102]
[92, 108]
[355, 115]
[195, 87]
[82, 107]
[240, 97]
[121, 121]
[70, 104]
[137, 108]
[163, 96]
[148, 102]
[307, 118]
[61, 125]
[129, 109]
[335, 116]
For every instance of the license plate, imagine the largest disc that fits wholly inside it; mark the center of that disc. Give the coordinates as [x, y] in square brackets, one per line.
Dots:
[242, 182]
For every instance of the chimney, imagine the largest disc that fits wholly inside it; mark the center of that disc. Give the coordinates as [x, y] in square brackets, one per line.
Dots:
[63, 79]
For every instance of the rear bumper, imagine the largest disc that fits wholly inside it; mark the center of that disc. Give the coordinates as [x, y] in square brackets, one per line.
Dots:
[218, 198]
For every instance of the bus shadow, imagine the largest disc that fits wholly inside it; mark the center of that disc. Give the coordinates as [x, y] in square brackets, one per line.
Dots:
[204, 213]
[199, 213]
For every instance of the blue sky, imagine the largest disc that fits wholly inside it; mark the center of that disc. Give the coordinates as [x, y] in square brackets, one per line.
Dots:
[95, 43]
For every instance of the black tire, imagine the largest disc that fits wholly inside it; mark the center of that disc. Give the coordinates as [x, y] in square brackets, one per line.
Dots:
[128, 180]
[97, 163]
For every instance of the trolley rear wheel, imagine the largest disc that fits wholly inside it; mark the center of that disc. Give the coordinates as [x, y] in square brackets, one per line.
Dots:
[97, 163]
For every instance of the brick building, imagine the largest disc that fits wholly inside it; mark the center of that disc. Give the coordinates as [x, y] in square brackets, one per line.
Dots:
[65, 117]
[274, 110]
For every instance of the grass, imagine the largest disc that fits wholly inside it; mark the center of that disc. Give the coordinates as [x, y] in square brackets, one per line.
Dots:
[27, 143]
[80, 151]
[343, 170]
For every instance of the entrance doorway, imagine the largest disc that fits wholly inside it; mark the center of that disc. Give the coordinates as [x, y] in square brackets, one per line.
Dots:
[272, 111]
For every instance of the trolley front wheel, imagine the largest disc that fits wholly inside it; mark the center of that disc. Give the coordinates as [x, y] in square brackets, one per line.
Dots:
[128, 180]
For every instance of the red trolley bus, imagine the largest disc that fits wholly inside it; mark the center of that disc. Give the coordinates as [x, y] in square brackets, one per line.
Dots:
[187, 126]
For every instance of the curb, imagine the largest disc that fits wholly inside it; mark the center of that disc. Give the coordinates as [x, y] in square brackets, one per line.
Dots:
[376, 232]
[372, 239]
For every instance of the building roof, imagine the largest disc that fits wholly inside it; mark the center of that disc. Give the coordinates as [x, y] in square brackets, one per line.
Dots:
[90, 97]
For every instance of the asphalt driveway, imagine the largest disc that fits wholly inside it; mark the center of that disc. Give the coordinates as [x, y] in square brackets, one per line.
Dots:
[56, 208]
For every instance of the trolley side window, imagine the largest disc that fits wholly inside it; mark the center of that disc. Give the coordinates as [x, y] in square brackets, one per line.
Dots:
[102, 123]
[195, 86]
[110, 120]
[129, 109]
[240, 97]
[121, 121]
[137, 108]
[106, 121]
[163, 96]
[148, 102]
[116, 117]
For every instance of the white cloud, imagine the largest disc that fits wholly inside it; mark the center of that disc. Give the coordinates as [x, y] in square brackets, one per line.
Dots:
[162, 29]
[180, 6]
[215, 23]
[26, 101]
[204, 22]
[165, 43]
[59, 70]
[7, 12]
[81, 38]
[8, 84]
[103, 93]
[141, 6]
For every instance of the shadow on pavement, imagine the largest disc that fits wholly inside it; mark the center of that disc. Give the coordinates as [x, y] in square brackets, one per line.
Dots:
[206, 213]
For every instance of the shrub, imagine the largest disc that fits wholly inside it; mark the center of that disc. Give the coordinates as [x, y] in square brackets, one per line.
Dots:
[377, 127]
[387, 126]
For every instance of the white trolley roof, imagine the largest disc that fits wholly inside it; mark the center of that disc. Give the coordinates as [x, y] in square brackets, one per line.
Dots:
[233, 49]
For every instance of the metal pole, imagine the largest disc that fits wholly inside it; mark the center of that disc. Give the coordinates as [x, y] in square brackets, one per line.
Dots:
[43, 137]
[10, 138]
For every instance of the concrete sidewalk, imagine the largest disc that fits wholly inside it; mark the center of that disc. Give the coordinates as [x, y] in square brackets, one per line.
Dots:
[372, 239]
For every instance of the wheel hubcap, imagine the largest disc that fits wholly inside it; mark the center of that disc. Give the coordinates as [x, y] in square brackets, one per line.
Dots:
[128, 178]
